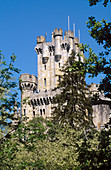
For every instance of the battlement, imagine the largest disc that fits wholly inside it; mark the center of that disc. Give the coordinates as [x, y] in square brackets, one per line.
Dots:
[28, 81]
[57, 32]
[40, 39]
[76, 40]
[94, 87]
[28, 77]
[69, 33]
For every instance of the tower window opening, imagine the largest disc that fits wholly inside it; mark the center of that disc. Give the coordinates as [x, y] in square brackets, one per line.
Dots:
[30, 76]
[45, 82]
[59, 65]
[41, 112]
[44, 111]
[59, 79]
[45, 67]
[24, 112]
[33, 113]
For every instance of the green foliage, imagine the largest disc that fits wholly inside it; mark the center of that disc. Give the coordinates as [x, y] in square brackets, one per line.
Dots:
[98, 156]
[8, 110]
[72, 104]
[95, 153]
[101, 32]
[94, 2]
[8, 94]
[69, 142]
[60, 151]
[95, 65]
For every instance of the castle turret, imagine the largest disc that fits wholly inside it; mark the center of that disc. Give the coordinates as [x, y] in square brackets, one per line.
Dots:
[45, 53]
[69, 35]
[40, 39]
[28, 85]
[28, 82]
[57, 42]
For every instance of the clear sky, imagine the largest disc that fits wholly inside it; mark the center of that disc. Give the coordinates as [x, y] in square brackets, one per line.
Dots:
[21, 21]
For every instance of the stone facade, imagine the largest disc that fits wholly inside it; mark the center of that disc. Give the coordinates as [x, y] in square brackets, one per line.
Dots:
[51, 57]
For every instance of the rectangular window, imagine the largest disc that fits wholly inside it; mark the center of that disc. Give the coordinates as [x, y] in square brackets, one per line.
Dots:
[30, 76]
[45, 82]
[24, 112]
[41, 112]
[45, 67]
[59, 79]
[33, 113]
[44, 111]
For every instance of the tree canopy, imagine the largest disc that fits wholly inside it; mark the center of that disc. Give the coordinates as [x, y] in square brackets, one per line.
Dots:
[71, 104]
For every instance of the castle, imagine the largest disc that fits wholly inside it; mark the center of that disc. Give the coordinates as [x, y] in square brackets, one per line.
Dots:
[38, 90]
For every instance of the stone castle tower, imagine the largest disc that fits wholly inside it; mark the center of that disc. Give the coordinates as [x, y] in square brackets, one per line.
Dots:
[51, 57]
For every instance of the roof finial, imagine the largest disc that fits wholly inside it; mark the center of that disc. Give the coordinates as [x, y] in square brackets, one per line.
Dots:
[46, 37]
[74, 29]
[68, 24]
[79, 35]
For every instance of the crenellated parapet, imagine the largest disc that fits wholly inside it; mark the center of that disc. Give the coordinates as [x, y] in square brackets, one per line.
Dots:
[58, 44]
[40, 39]
[57, 32]
[76, 40]
[28, 82]
[69, 33]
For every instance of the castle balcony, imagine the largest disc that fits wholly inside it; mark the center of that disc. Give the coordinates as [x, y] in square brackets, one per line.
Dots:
[57, 58]
[45, 60]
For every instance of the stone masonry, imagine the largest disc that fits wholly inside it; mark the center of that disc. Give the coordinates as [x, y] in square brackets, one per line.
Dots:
[38, 91]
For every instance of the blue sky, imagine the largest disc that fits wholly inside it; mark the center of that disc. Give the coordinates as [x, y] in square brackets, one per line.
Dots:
[21, 21]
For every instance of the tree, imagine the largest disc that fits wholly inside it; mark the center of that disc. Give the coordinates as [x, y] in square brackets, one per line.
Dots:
[8, 95]
[8, 109]
[100, 156]
[29, 137]
[95, 153]
[94, 2]
[71, 104]
[101, 32]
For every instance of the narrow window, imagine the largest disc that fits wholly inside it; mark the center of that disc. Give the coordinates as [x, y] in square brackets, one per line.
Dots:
[33, 113]
[59, 65]
[44, 111]
[24, 112]
[30, 76]
[41, 112]
[45, 82]
[45, 67]
[59, 79]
